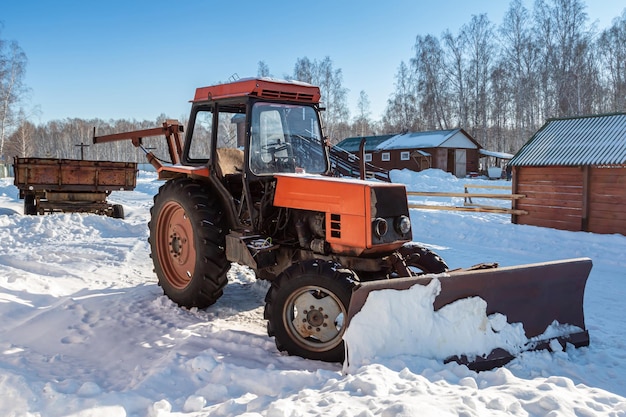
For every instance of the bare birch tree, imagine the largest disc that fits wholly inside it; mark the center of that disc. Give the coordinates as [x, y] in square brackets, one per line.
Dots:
[263, 70]
[565, 40]
[401, 113]
[455, 68]
[334, 95]
[12, 89]
[431, 87]
[480, 46]
[612, 58]
[519, 56]
[362, 122]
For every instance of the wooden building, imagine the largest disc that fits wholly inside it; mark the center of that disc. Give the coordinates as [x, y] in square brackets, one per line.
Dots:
[573, 174]
[453, 151]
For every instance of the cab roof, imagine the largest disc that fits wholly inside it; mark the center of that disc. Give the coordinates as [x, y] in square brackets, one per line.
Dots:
[269, 88]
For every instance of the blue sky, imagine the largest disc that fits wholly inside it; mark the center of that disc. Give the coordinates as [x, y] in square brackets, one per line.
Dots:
[136, 59]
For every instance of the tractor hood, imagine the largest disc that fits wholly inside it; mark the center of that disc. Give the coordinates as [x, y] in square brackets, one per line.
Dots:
[360, 216]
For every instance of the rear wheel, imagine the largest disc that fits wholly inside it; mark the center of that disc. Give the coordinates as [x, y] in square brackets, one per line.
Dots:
[30, 206]
[306, 308]
[422, 259]
[118, 211]
[187, 234]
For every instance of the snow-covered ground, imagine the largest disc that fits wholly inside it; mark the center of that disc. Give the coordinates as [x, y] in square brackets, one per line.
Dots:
[86, 331]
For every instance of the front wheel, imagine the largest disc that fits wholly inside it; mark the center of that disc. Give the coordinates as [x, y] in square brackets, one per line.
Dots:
[306, 309]
[422, 260]
[187, 239]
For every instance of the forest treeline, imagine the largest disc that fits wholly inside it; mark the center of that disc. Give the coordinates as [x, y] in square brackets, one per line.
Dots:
[499, 82]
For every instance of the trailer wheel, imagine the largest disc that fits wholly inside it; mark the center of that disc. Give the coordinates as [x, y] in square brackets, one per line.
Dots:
[306, 307]
[187, 238]
[118, 211]
[30, 206]
[427, 261]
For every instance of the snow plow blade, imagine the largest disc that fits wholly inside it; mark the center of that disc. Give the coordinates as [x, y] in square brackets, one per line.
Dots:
[535, 295]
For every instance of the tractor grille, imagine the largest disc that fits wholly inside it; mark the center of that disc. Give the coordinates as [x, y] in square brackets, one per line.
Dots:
[335, 225]
[285, 95]
[388, 203]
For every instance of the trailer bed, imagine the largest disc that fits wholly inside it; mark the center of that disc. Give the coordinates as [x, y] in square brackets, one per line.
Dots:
[70, 185]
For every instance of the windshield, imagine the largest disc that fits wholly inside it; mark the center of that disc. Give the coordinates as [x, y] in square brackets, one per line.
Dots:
[285, 138]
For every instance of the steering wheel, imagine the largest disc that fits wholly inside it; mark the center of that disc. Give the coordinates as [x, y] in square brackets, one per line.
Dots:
[279, 163]
[274, 146]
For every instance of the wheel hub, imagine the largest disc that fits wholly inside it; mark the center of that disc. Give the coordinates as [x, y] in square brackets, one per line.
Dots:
[175, 249]
[178, 246]
[317, 318]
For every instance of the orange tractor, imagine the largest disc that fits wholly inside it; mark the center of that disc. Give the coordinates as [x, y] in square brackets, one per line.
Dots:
[251, 183]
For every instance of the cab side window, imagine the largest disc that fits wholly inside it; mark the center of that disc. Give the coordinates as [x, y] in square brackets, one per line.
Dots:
[200, 140]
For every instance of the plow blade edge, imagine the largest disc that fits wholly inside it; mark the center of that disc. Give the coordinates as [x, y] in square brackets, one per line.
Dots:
[535, 295]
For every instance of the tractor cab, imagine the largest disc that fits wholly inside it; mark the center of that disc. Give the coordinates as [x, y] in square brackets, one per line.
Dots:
[251, 130]
[256, 129]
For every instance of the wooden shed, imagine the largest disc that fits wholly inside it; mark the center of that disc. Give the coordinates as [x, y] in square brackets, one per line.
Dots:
[454, 151]
[573, 175]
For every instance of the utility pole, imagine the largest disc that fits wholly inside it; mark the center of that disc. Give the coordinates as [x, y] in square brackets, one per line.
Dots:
[82, 150]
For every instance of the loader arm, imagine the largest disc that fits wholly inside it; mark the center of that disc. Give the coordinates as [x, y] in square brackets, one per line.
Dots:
[171, 129]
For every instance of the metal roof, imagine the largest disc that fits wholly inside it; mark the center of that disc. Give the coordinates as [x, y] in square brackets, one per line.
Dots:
[588, 140]
[371, 142]
[452, 138]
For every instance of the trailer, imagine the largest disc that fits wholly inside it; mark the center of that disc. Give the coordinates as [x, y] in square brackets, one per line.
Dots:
[50, 185]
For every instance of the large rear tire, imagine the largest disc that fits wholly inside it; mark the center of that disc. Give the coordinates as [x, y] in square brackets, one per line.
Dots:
[306, 308]
[187, 240]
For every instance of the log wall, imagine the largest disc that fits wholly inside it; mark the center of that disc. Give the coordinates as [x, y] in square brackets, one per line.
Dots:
[572, 198]
[607, 200]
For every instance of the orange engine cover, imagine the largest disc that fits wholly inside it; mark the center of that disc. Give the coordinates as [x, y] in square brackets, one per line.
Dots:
[349, 205]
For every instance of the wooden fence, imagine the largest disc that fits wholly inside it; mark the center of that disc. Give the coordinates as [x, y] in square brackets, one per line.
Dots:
[468, 203]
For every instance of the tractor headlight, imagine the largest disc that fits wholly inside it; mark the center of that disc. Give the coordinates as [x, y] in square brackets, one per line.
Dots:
[403, 225]
[380, 227]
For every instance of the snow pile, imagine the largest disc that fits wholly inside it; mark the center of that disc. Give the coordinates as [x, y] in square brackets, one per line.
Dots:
[87, 332]
[405, 323]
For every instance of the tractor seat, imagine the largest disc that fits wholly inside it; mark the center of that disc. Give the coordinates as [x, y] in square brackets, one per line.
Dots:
[229, 161]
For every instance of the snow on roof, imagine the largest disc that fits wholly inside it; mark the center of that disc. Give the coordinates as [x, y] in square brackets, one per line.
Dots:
[589, 140]
[431, 139]
[501, 155]
[453, 138]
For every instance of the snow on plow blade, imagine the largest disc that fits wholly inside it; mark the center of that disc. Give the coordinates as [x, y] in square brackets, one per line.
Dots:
[534, 295]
